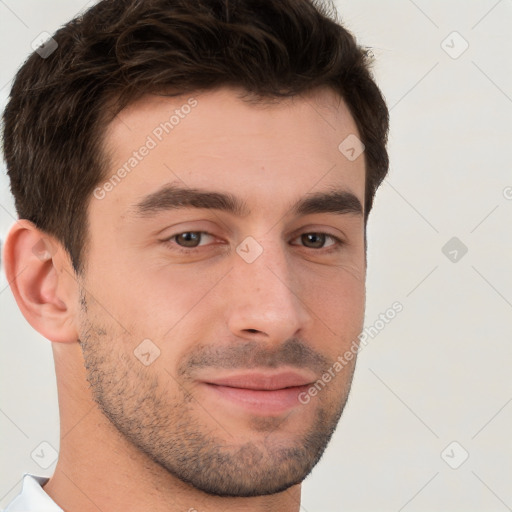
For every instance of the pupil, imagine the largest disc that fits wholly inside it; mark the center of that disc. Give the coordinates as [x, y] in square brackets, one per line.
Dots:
[190, 239]
[316, 239]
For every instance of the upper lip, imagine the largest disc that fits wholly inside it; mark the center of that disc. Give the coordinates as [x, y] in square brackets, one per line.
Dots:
[263, 381]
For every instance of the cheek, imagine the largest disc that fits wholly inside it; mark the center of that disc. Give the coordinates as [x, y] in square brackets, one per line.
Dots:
[338, 298]
[158, 301]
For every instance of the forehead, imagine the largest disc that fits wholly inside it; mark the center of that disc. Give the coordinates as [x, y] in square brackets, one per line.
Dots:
[269, 152]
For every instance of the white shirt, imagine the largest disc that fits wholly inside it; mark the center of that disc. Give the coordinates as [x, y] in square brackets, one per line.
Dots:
[32, 497]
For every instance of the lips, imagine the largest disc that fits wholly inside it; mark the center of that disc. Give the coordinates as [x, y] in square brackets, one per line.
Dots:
[263, 382]
[259, 393]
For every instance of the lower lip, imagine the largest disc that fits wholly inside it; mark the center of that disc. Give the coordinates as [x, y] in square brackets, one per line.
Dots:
[258, 401]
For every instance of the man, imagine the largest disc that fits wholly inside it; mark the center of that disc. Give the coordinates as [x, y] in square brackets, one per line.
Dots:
[193, 181]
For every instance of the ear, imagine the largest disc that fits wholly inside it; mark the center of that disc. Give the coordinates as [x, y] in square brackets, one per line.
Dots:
[43, 281]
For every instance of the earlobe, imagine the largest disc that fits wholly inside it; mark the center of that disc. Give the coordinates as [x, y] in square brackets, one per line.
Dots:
[44, 287]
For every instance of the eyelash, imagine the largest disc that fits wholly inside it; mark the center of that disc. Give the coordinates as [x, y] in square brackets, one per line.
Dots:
[336, 246]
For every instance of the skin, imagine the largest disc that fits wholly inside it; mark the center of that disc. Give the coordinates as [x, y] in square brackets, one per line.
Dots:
[125, 425]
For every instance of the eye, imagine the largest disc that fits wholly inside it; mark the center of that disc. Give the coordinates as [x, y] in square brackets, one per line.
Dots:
[318, 240]
[188, 239]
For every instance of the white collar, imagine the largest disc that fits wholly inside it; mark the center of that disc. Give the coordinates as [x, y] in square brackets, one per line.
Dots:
[32, 497]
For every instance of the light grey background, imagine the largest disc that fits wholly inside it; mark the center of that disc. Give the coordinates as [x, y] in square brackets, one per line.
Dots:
[440, 371]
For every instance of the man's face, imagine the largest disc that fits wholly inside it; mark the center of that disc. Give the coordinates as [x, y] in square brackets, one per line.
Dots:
[202, 324]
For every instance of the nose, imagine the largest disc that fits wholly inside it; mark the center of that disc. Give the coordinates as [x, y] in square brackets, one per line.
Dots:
[265, 300]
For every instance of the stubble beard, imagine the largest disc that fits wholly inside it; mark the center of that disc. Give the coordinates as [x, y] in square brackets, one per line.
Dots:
[137, 402]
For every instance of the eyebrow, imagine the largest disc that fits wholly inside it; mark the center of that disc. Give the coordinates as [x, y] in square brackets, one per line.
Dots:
[173, 197]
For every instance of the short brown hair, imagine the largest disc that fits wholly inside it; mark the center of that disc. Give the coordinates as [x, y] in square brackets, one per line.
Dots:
[120, 50]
